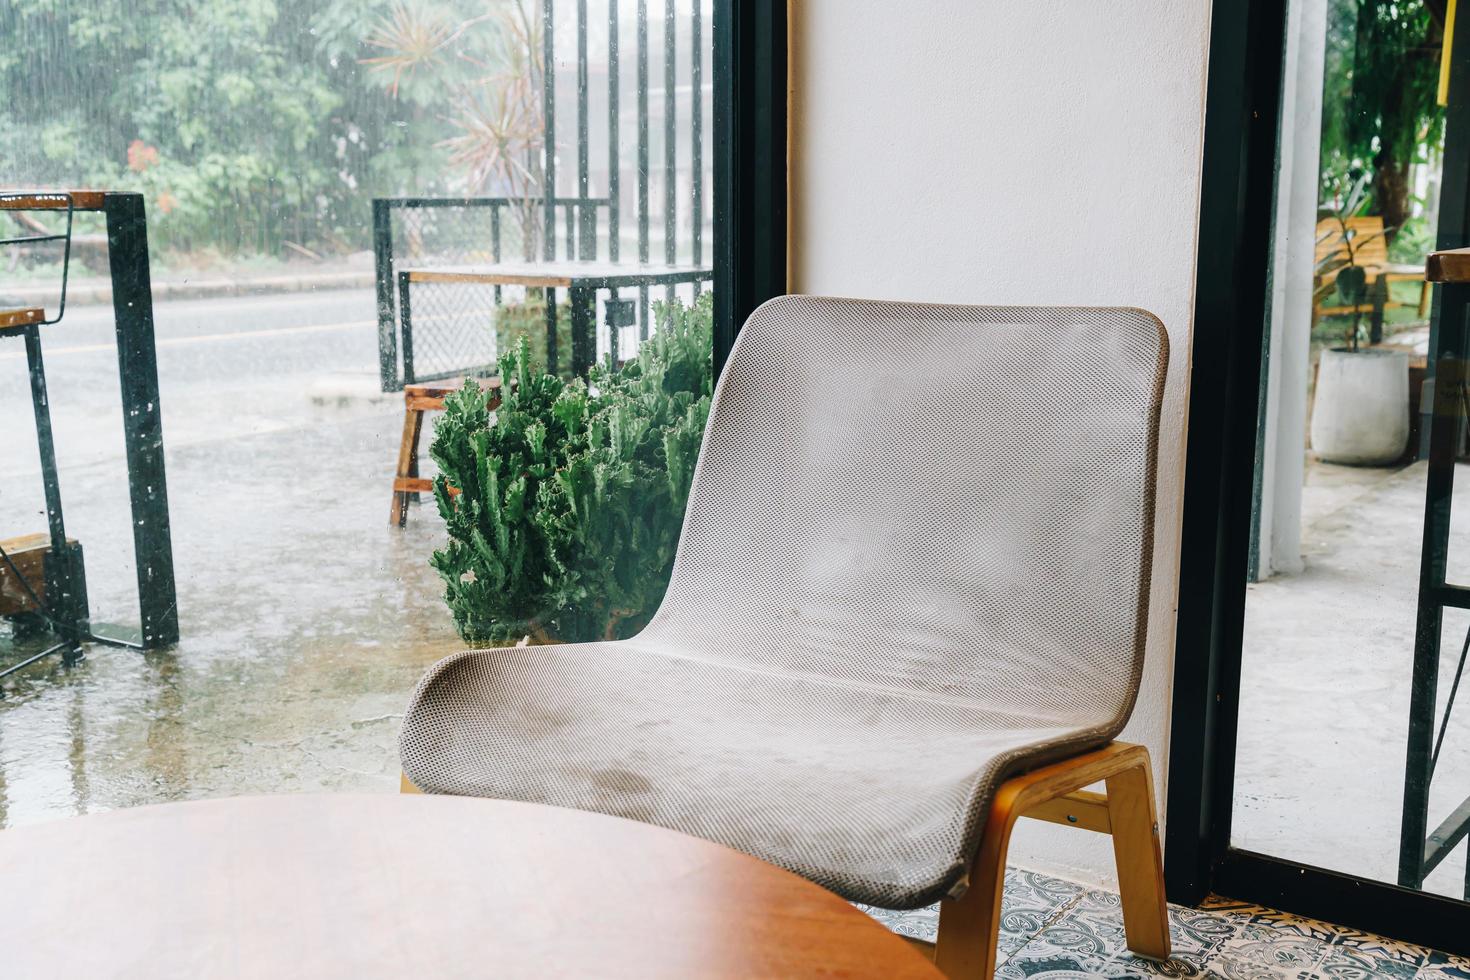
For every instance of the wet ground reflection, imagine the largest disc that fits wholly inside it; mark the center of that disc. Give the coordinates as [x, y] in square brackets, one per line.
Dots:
[306, 621]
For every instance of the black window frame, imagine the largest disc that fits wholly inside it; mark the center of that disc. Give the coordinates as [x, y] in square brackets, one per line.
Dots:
[1242, 111]
[750, 105]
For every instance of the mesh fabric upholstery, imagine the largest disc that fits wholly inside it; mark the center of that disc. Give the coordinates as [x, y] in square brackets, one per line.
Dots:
[915, 561]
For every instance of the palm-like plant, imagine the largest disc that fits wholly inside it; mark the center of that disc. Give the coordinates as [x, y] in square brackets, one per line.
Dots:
[1340, 271]
[494, 91]
[501, 119]
[413, 39]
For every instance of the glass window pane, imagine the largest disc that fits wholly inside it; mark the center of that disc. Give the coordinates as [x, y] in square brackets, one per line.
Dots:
[1331, 733]
[351, 207]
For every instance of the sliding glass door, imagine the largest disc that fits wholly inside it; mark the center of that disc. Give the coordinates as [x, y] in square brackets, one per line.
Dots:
[1328, 766]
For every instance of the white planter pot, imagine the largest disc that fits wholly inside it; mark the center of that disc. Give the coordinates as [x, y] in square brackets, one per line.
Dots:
[1361, 413]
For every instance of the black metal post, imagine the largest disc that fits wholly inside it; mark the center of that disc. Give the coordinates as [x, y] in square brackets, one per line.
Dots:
[1445, 428]
[582, 301]
[63, 588]
[614, 322]
[45, 443]
[614, 158]
[405, 308]
[749, 139]
[548, 132]
[551, 345]
[586, 213]
[132, 303]
[1242, 106]
[1453, 230]
[383, 258]
[696, 126]
[671, 139]
[643, 162]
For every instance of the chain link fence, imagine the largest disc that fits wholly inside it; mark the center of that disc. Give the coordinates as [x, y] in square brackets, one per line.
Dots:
[453, 326]
[460, 328]
[435, 330]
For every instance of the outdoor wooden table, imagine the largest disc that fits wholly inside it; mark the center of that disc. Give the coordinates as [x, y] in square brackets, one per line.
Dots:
[137, 365]
[412, 886]
[580, 279]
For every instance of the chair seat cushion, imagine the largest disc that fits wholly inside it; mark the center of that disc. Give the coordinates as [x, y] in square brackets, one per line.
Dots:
[876, 793]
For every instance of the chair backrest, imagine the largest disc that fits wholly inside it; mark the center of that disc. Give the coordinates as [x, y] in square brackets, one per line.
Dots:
[1369, 242]
[955, 501]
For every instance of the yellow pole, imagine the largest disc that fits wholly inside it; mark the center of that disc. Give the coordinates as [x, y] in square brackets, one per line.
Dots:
[1444, 55]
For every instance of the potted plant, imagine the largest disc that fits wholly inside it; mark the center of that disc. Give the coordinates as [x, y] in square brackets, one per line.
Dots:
[1360, 416]
[563, 505]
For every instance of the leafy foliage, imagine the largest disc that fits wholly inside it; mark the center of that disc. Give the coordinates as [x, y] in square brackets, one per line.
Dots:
[563, 510]
[252, 123]
[496, 563]
[526, 320]
[1341, 272]
[1379, 97]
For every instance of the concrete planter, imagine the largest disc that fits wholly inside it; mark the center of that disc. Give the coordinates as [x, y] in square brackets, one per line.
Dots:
[1361, 414]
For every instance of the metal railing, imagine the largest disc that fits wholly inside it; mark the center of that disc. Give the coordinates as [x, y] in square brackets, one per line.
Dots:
[1422, 847]
[451, 334]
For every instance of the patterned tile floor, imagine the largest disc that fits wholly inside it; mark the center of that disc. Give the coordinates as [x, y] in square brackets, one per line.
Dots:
[1053, 929]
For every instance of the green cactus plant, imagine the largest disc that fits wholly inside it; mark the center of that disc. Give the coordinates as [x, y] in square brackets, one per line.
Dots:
[526, 319]
[563, 510]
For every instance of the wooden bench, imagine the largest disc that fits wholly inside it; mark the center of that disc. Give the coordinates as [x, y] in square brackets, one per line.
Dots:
[1371, 246]
[419, 398]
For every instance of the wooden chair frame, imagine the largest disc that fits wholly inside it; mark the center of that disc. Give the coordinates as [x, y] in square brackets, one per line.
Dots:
[969, 927]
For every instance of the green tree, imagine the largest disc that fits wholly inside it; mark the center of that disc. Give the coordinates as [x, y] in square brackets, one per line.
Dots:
[247, 124]
[1379, 95]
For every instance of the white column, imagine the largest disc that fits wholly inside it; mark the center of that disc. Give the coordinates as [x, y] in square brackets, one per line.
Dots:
[1293, 258]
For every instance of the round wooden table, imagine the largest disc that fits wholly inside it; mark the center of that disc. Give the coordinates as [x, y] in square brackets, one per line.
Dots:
[412, 886]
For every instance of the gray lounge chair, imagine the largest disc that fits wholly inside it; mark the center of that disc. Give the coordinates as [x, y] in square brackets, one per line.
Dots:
[909, 605]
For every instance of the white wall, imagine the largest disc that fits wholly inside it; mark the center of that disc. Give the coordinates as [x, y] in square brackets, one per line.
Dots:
[1012, 153]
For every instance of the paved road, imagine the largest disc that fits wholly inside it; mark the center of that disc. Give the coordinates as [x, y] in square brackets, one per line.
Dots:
[227, 367]
[258, 384]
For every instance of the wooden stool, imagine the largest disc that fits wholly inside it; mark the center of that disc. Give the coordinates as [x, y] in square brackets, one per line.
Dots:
[418, 399]
[28, 554]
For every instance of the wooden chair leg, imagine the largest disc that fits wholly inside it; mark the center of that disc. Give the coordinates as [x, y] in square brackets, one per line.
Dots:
[408, 452]
[1140, 860]
[969, 927]
[1424, 294]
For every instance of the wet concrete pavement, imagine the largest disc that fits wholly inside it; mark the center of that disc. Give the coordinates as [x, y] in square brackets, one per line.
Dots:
[305, 618]
[1325, 681]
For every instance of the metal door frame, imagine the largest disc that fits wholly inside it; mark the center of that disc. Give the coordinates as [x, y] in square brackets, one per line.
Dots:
[1242, 112]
